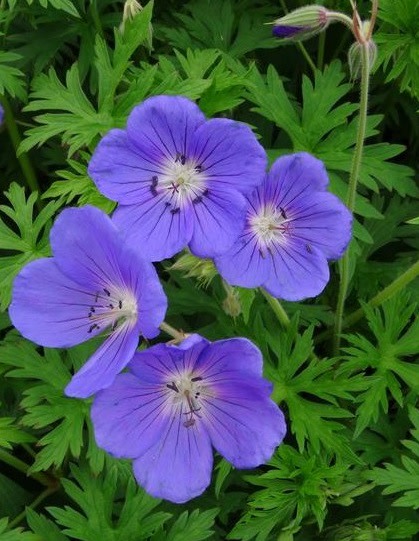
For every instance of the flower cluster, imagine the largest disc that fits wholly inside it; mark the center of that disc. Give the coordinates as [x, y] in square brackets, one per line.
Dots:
[179, 180]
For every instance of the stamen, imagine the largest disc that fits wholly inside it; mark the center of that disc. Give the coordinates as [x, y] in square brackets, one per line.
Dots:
[197, 378]
[173, 387]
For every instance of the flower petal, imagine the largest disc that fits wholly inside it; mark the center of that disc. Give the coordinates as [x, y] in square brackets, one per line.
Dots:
[49, 308]
[87, 247]
[228, 359]
[103, 366]
[298, 271]
[218, 221]
[152, 301]
[152, 230]
[129, 416]
[163, 362]
[162, 126]
[244, 425]
[119, 169]
[178, 468]
[243, 265]
[230, 155]
[294, 176]
[322, 221]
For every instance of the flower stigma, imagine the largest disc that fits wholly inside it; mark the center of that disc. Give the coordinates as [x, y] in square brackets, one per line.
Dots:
[188, 393]
[182, 182]
[110, 307]
[270, 225]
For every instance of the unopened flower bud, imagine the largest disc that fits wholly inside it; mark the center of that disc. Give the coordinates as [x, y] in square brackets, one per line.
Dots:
[355, 57]
[131, 8]
[302, 23]
[231, 304]
[193, 267]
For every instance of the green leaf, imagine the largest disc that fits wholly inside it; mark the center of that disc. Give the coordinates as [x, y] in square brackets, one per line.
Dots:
[11, 79]
[17, 534]
[78, 126]
[380, 361]
[62, 420]
[10, 434]
[403, 479]
[106, 510]
[310, 389]
[30, 237]
[64, 5]
[46, 529]
[193, 526]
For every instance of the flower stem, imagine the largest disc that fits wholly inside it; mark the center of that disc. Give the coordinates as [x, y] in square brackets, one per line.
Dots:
[277, 309]
[388, 292]
[25, 163]
[351, 195]
[397, 285]
[44, 494]
[300, 45]
[171, 331]
[21, 466]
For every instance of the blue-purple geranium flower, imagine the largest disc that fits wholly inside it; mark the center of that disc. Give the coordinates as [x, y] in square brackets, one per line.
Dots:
[293, 226]
[179, 178]
[176, 403]
[94, 283]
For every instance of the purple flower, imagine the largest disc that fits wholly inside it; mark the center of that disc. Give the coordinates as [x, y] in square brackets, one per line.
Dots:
[179, 179]
[286, 31]
[178, 402]
[293, 226]
[93, 283]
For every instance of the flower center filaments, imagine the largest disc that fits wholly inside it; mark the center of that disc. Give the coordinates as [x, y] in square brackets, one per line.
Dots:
[181, 182]
[186, 394]
[270, 225]
[110, 307]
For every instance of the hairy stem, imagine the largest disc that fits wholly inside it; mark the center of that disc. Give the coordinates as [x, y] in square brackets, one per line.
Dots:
[397, 285]
[24, 162]
[277, 309]
[351, 195]
[171, 331]
[21, 466]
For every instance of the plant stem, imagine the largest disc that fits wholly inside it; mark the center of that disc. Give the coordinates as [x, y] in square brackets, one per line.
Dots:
[320, 51]
[351, 195]
[397, 285]
[299, 44]
[25, 164]
[21, 466]
[171, 331]
[277, 309]
[17, 520]
[388, 292]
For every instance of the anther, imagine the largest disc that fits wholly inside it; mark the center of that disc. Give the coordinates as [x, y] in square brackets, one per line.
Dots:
[120, 305]
[92, 327]
[283, 213]
[107, 292]
[111, 306]
[172, 386]
[175, 211]
[199, 168]
[198, 378]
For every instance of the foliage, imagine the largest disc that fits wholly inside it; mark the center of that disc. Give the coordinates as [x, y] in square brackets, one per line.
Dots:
[348, 470]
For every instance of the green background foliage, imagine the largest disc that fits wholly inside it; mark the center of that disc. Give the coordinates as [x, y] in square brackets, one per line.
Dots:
[349, 467]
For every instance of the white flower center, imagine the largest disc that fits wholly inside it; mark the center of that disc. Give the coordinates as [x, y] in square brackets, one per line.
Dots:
[112, 306]
[270, 225]
[187, 394]
[181, 182]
